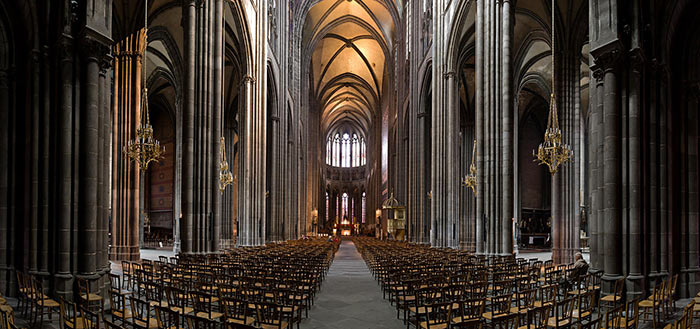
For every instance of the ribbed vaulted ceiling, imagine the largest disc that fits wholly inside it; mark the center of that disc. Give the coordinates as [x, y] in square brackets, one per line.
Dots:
[351, 40]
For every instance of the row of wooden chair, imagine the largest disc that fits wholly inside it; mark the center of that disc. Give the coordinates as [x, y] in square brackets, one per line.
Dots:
[504, 286]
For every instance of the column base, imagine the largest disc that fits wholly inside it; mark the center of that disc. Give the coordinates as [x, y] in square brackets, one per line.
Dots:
[635, 286]
[120, 253]
[608, 282]
[64, 285]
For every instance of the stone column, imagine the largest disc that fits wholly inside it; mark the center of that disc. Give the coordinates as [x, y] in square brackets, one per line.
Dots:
[693, 271]
[479, 124]
[599, 194]
[592, 172]
[186, 224]
[5, 269]
[34, 167]
[87, 221]
[126, 178]
[217, 124]
[45, 164]
[613, 173]
[635, 285]
[507, 131]
[63, 276]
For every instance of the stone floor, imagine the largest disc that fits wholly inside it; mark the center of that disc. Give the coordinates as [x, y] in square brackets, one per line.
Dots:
[350, 297]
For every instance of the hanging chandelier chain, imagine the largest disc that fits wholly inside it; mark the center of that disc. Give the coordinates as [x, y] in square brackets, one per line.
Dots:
[553, 152]
[144, 149]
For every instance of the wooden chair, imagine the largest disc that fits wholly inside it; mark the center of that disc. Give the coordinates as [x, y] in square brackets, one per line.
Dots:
[585, 306]
[178, 300]
[436, 315]
[500, 307]
[548, 295]
[88, 299]
[270, 316]
[629, 318]
[197, 322]
[236, 311]
[7, 320]
[120, 311]
[91, 320]
[562, 314]
[141, 314]
[509, 321]
[537, 317]
[653, 306]
[464, 312]
[612, 318]
[611, 301]
[671, 292]
[24, 292]
[203, 305]
[126, 275]
[168, 319]
[43, 305]
[70, 317]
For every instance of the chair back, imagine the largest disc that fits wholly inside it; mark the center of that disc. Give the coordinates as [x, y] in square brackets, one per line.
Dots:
[115, 282]
[69, 314]
[118, 305]
[269, 314]
[202, 302]
[613, 317]
[234, 308]
[196, 322]
[168, 318]
[91, 320]
[140, 310]
[537, 317]
[506, 322]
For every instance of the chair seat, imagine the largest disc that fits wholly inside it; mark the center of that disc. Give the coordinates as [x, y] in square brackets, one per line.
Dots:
[575, 314]
[516, 309]
[649, 303]
[78, 324]
[622, 323]
[541, 303]
[214, 315]
[152, 323]
[491, 315]
[274, 326]
[420, 309]
[91, 297]
[180, 310]
[247, 321]
[552, 322]
[610, 298]
[155, 303]
[406, 298]
[125, 315]
[48, 302]
[432, 324]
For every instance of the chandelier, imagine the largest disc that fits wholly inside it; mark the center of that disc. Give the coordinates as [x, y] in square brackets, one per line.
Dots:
[225, 176]
[144, 149]
[469, 180]
[553, 152]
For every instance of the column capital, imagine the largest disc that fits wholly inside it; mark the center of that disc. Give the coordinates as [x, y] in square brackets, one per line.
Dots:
[449, 75]
[65, 47]
[93, 49]
[247, 79]
[637, 59]
[607, 56]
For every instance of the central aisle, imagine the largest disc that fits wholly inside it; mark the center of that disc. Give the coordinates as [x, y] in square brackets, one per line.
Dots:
[350, 297]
